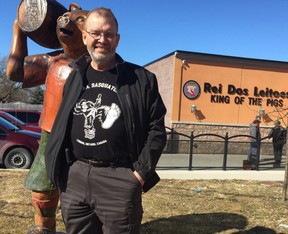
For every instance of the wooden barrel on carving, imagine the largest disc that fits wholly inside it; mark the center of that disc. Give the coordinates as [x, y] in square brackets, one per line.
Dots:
[38, 20]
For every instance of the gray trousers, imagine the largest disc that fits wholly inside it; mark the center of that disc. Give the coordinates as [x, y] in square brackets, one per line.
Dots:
[100, 200]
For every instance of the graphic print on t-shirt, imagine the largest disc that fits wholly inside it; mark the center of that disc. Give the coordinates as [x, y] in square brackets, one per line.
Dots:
[95, 111]
[98, 129]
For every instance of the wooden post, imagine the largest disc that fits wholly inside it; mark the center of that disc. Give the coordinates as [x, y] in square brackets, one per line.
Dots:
[284, 192]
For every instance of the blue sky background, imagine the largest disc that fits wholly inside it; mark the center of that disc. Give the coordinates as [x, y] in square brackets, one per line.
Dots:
[151, 29]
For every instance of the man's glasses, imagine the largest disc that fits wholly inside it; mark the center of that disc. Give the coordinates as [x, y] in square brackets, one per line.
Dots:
[97, 35]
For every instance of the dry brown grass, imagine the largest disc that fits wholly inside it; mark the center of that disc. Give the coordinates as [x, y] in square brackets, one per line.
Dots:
[173, 206]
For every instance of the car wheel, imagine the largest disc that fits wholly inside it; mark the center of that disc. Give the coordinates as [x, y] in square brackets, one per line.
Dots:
[18, 158]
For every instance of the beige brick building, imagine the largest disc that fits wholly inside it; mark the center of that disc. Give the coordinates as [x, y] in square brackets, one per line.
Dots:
[207, 93]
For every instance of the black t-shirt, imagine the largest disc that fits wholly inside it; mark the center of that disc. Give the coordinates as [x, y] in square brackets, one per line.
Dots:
[98, 128]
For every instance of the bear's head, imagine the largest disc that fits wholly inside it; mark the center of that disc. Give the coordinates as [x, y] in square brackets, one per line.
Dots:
[69, 31]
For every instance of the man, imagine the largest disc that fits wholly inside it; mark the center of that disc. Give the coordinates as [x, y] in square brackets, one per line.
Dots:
[107, 137]
[278, 135]
[53, 70]
[254, 136]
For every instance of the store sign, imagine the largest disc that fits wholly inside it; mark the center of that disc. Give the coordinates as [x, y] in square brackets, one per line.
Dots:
[233, 94]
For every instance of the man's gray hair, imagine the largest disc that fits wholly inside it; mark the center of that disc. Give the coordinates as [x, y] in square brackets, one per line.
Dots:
[104, 12]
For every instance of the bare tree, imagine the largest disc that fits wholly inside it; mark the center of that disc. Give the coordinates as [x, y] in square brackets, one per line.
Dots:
[10, 91]
[37, 95]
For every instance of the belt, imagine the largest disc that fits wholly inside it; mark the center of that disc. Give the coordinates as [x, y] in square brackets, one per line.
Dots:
[96, 163]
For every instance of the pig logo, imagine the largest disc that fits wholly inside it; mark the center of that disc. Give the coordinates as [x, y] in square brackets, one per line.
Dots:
[191, 89]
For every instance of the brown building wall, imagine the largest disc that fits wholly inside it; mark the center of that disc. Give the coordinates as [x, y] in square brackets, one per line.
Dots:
[232, 92]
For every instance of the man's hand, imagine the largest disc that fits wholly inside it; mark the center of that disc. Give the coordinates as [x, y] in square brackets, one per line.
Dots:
[139, 177]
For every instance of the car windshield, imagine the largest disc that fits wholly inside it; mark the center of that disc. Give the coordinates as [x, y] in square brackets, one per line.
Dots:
[8, 125]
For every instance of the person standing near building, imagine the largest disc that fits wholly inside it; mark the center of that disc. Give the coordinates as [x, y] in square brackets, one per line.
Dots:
[278, 135]
[107, 137]
[254, 135]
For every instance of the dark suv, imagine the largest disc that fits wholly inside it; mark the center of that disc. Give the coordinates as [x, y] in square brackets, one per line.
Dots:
[27, 116]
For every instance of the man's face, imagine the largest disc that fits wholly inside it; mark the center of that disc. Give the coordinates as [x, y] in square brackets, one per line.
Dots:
[101, 38]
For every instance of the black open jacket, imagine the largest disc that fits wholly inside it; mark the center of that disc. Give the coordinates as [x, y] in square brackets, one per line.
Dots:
[143, 111]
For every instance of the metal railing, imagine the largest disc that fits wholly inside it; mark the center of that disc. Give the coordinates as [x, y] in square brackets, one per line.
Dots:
[192, 140]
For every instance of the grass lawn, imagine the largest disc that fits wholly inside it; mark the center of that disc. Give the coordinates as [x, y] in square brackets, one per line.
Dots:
[174, 206]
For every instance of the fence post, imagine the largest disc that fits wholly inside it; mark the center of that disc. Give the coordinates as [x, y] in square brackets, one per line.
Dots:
[225, 152]
[172, 141]
[191, 151]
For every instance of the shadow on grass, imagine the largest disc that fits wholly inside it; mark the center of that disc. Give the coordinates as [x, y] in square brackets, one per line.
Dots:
[208, 223]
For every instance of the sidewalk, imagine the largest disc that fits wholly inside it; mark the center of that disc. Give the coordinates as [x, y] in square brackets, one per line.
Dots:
[203, 163]
[271, 175]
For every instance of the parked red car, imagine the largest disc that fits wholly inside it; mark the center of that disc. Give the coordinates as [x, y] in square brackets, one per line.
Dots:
[17, 147]
[29, 117]
[19, 123]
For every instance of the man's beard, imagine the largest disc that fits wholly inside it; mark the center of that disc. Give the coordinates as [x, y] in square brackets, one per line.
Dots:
[101, 58]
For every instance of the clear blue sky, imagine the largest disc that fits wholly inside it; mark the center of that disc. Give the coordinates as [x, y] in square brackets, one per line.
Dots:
[151, 29]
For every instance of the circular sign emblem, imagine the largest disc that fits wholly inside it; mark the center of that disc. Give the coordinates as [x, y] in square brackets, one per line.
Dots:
[191, 89]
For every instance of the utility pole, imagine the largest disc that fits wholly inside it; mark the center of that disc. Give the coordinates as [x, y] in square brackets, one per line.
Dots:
[285, 184]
